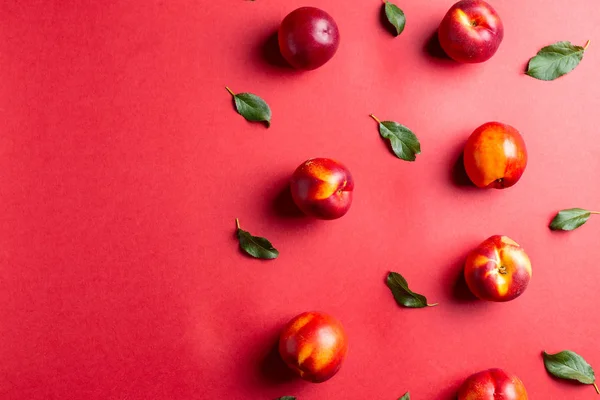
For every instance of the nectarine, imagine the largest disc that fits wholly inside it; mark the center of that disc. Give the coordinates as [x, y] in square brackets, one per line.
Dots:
[322, 188]
[498, 269]
[314, 345]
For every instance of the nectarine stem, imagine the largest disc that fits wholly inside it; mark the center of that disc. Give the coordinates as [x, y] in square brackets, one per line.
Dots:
[375, 118]
[230, 91]
[237, 223]
[585, 48]
[594, 212]
[596, 387]
[432, 305]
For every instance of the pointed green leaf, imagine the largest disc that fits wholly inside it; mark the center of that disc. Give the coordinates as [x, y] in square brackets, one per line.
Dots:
[252, 107]
[567, 220]
[395, 16]
[403, 295]
[405, 397]
[404, 143]
[256, 246]
[569, 365]
[554, 61]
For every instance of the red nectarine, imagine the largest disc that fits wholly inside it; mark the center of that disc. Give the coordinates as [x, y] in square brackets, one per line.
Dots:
[498, 269]
[308, 38]
[314, 345]
[493, 384]
[495, 156]
[471, 31]
[322, 188]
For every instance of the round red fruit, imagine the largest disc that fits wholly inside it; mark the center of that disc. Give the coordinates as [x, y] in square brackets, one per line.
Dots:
[498, 269]
[314, 345]
[493, 384]
[322, 188]
[495, 156]
[471, 31]
[308, 38]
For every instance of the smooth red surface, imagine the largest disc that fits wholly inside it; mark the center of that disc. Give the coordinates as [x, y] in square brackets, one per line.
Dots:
[314, 345]
[308, 38]
[492, 384]
[471, 31]
[495, 156]
[322, 188]
[498, 269]
[123, 165]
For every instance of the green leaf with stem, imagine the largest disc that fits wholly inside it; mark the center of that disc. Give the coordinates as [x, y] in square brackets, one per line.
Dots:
[556, 60]
[403, 295]
[256, 246]
[251, 107]
[570, 219]
[403, 141]
[570, 365]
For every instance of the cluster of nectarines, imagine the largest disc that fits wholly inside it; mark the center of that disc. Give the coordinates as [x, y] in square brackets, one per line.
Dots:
[314, 344]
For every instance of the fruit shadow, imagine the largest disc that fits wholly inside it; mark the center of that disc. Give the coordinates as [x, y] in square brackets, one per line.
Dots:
[433, 48]
[281, 204]
[457, 290]
[271, 368]
[270, 54]
[436, 55]
[458, 174]
[449, 392]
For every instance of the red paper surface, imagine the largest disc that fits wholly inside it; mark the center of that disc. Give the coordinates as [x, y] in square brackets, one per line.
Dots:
[123, 165]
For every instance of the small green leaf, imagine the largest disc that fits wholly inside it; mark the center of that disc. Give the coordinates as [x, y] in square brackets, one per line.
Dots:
[569, 365]
[556, 60]
[395, 16]
[403, 295]
[255, 246]
[405, 397]
[572, 218]
[287, 398]
[252, 107]
[405, 144]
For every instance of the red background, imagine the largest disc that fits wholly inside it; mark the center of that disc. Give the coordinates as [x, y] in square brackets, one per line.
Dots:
[123, 165]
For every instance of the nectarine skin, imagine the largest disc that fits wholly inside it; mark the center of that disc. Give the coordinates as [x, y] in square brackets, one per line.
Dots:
[314, 345]
[322, 188]
[471, 31]
[308, 38]
[495, 156]
[498, 269]
[493, 384]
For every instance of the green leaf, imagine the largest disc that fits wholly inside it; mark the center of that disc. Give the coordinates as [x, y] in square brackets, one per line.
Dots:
[405, 397]
[569, 365]
[395, 16]
[255, 246]
[554, 61]
[405, 144]
[567, 220]
[287, 398]
[403, 295]
[252, 107]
